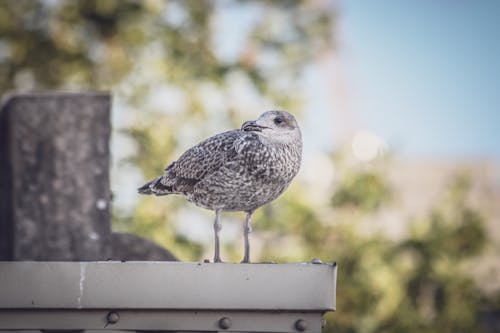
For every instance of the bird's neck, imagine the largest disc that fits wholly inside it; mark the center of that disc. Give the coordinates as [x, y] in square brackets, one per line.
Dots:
[281, 141]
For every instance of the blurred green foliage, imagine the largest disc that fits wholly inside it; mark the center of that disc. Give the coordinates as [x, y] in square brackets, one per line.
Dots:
[361, 190]
[420, 283]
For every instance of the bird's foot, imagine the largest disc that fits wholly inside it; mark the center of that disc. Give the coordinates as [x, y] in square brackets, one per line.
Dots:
[217, 260]
[245, 261]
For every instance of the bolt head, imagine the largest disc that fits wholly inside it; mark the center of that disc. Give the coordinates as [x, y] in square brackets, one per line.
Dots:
[316, 261]
[301, 325]
[224, 323]
[113, 317]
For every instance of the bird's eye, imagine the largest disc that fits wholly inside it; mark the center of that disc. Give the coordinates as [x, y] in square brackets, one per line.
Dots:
[278, 120]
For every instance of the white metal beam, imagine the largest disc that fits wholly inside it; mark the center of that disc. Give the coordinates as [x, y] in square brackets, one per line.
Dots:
[176, 296]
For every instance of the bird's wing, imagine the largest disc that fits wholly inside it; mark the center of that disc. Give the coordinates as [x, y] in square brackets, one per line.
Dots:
[199, 161]
[237, 183]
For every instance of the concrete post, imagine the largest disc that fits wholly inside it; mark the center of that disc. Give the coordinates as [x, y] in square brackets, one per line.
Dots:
[54, 186]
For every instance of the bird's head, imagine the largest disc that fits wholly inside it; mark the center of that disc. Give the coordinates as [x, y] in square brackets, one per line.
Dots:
[275, 127]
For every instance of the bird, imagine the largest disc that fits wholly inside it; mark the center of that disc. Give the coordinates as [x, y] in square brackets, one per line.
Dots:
[237, 170]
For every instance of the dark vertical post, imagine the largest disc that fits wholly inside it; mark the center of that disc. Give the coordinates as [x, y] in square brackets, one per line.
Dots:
[6, 231]
[54, 177]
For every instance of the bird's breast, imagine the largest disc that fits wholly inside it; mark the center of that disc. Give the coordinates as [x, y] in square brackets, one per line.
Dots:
[274, 164]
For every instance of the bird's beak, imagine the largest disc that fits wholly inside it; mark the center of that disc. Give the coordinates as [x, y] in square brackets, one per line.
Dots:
[252, 126]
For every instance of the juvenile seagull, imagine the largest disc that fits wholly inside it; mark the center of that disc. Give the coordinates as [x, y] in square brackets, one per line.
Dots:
[238, 170]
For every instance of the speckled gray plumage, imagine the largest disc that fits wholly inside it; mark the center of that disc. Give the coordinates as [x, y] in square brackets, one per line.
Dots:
[238, 170]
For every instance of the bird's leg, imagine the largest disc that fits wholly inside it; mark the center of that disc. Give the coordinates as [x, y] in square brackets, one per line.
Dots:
[217, 228]
[247, 229]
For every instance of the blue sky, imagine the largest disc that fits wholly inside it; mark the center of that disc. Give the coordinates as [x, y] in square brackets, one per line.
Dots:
[425, 75]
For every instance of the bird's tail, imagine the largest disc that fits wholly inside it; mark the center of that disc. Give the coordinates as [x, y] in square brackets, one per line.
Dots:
[155, 187]
[146, 189]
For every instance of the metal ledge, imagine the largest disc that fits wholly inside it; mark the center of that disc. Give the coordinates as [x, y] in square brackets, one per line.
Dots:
[158, 320]
[165, 295]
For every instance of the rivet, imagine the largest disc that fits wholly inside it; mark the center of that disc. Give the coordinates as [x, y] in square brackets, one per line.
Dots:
[316, 261]
[113, 317]
[206, 261]
[224, 323]
[301, 325]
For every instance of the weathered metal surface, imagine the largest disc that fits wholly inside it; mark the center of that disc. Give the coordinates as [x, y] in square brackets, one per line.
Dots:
[167, 285]
[161, 320]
